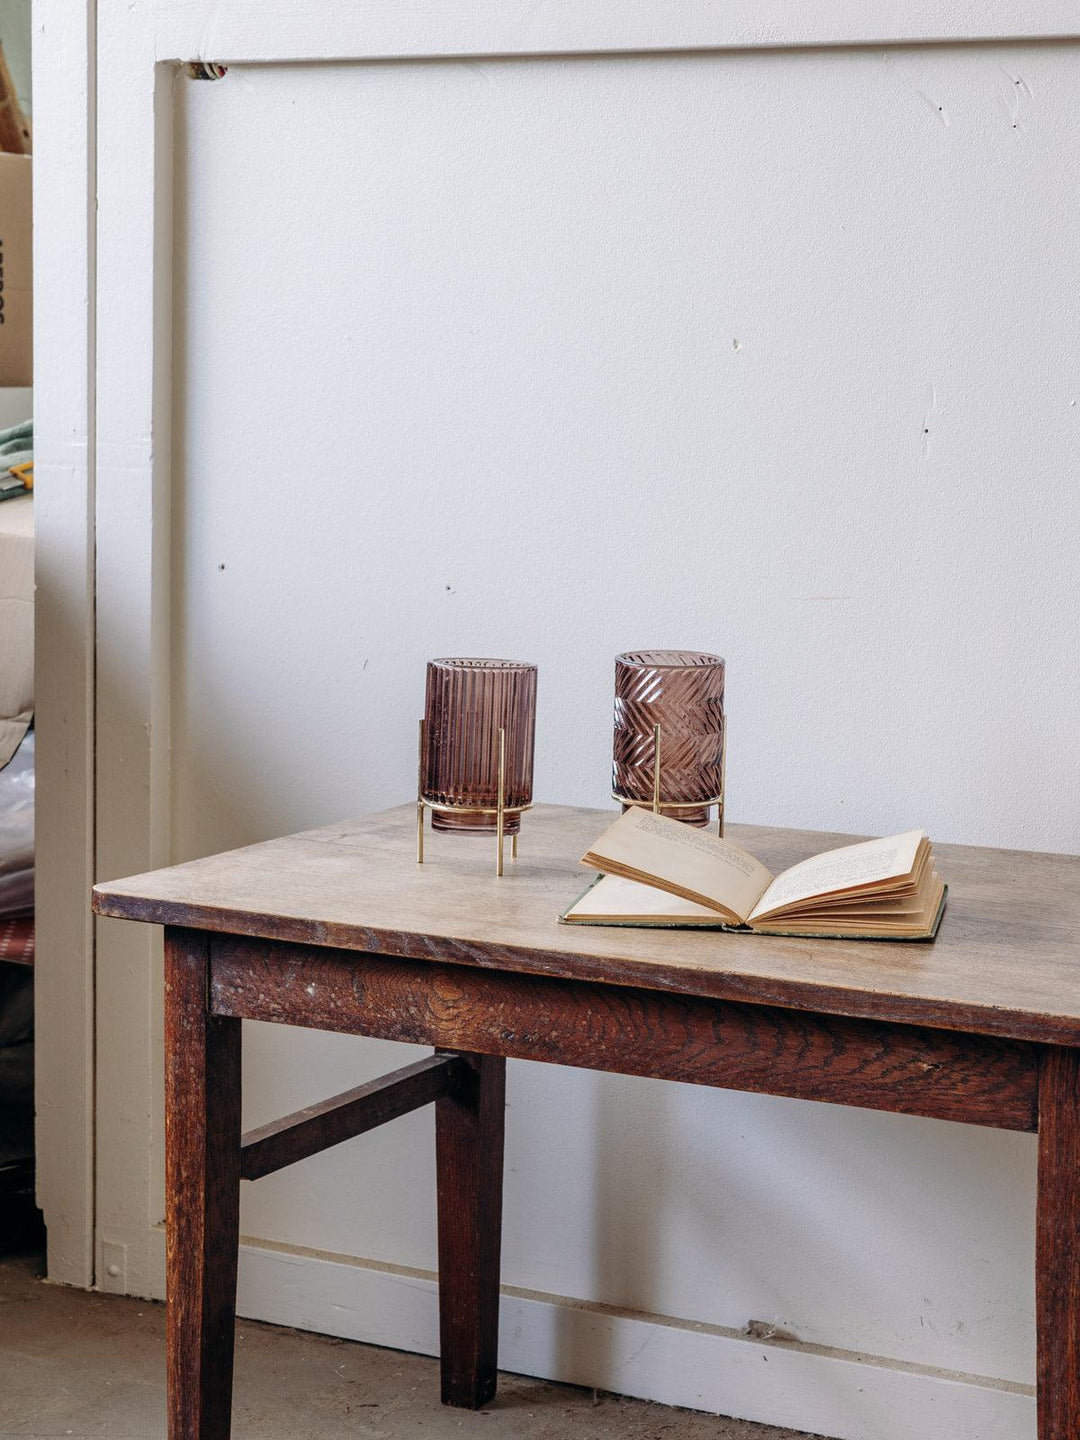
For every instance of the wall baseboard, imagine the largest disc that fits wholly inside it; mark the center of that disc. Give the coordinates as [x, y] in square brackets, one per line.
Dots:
[809, 1388]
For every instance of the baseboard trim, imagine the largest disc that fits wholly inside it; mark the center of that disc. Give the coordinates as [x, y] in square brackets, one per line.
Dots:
[704, 1367]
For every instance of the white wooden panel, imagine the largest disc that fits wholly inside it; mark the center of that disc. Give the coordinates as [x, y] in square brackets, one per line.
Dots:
[775, 353]
[134, 402]
[258, 31]
[498, 304]
[853, 1397]
[856, 1397]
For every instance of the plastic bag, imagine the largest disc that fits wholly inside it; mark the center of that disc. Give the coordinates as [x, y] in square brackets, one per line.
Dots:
[17, 830]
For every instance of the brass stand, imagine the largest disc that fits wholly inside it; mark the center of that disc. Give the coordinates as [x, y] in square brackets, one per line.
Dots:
[500, 811]
[660, 807]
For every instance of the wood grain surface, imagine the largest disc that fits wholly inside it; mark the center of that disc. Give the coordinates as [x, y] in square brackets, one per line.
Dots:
[1057, 1246]
[469, 1126]
[202, 1194]
[914, 1070]
[1006, 961]
[318, 1127]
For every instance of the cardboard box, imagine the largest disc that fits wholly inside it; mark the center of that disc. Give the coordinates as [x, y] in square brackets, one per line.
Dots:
[16, 281]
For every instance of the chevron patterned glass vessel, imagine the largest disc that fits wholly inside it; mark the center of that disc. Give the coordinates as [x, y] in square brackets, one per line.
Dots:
[468, 702]
[682, 691]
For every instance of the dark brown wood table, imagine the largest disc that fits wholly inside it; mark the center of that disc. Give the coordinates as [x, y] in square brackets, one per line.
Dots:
[340, 929]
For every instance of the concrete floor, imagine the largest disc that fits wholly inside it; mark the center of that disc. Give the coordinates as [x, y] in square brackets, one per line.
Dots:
[84, 1365]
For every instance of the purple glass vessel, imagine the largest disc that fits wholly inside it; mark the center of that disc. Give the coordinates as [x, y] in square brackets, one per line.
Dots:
[682, 691]
[467, 703]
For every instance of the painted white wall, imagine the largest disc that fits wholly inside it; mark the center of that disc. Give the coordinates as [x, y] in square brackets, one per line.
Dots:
[769, 354]
[16, 405]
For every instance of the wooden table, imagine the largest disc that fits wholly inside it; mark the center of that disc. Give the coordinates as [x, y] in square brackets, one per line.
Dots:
[340, 929]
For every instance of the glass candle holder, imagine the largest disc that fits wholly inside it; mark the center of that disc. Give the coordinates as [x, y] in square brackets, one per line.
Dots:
[467, 703]
[682, 693]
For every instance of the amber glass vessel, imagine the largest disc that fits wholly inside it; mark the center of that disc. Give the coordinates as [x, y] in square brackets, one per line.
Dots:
[682, 691]
[467, 703]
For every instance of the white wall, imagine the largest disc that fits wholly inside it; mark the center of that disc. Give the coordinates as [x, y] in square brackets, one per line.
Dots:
[16, 405]
[772, 354]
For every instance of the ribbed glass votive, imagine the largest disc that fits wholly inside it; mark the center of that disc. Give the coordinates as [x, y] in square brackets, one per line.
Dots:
[682, 691]
[467, 703]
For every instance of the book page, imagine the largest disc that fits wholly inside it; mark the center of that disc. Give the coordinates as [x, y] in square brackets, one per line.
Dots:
[681, 860]
[868, 862]
[614, 895]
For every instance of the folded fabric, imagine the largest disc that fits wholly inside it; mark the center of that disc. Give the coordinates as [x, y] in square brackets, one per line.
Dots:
[17, 443]
[16, 448]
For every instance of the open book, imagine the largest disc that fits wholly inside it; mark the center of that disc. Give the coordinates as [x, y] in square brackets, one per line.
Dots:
[657, 871]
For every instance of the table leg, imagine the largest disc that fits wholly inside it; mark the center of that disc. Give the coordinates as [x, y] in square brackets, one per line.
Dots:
[1057, 1257]
[202, 1193]
[469, 1162]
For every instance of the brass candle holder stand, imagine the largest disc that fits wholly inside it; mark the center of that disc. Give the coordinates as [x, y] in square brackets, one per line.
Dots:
[500, 810]
[661, 807]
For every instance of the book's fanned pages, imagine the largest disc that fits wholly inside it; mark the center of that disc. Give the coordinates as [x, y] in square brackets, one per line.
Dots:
[866, 868]
[602, 904]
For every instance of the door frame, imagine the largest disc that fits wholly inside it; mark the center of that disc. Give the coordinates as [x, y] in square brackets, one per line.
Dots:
[65, 102]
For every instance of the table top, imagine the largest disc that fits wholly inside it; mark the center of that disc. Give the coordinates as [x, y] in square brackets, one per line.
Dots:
[1006, 961]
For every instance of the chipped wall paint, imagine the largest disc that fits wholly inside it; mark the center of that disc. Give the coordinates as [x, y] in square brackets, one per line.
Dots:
[769, 354]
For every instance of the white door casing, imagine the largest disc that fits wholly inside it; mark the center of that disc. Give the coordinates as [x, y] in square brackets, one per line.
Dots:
[64, 197]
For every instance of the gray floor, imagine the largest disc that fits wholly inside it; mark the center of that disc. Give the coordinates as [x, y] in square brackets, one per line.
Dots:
[92, 1365]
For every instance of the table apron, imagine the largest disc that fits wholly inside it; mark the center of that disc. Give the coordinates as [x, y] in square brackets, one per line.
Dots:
[763, 1049]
